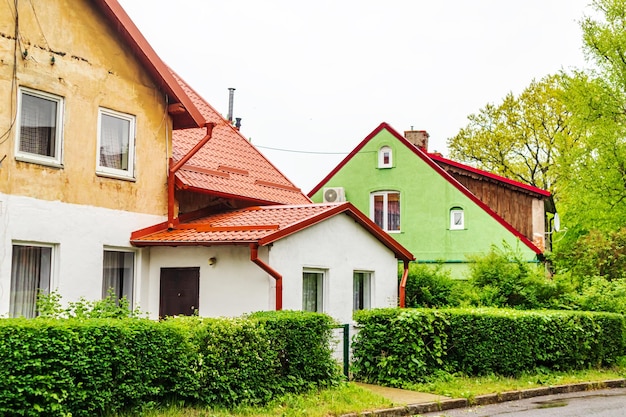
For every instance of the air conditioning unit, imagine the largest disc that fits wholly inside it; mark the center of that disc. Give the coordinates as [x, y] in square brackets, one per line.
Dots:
[334, 195]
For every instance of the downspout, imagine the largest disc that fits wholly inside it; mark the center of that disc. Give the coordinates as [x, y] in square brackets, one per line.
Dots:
[254, 253]
[172, 173]
[405, 275]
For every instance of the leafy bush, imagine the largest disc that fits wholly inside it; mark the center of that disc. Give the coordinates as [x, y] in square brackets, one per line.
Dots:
[504, 279]
[593, 254]
[395, 346]
[301, 343]
[85, 366]
[432, 286]
[49, 306]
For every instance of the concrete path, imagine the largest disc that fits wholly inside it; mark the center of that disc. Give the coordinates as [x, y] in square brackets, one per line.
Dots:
[402, 396]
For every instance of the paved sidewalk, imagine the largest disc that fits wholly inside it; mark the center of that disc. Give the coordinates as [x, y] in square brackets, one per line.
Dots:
[403, 396]
[411, 403]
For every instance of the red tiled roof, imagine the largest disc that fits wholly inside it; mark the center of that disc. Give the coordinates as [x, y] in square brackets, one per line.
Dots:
[228, 165]
[262, 225]
[189, 116]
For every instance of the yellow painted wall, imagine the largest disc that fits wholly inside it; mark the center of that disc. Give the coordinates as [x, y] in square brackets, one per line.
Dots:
[92, 68]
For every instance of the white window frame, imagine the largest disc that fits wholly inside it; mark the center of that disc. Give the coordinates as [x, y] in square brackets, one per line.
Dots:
[454, 225]
[133, 284]
[381, 157]
[320, 289]
[57, 159]
[362, 300]
[51, 275]
[385, 220]
[126, 174]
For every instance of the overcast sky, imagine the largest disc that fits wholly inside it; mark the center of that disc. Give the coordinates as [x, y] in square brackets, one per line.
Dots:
[316, 77]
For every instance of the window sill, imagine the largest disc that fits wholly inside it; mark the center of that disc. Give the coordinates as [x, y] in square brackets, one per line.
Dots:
[39, 161]
[115, 176]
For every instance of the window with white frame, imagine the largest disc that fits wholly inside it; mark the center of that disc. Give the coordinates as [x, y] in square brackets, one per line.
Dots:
[313, 290]
[31, 273]
[385, 157]
[362, 290]
[385, 210]
[118, 275]
[116, 144]
[457, 218]
[39, 132]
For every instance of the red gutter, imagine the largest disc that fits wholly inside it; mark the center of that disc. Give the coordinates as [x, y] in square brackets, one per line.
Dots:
[171, 180]
[254, 253]
[405, 275]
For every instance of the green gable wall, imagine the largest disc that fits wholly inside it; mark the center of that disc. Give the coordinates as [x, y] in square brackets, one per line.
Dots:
[426, 198]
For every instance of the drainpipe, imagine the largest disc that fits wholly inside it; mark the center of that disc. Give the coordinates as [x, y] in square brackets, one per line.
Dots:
[172, 173]
[405, 275]
[254, 252]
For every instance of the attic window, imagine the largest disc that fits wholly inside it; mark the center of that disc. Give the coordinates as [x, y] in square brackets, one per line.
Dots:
[457, 218]
[385, 157]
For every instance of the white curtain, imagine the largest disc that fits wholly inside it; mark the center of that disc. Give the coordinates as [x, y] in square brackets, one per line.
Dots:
[30, 273]
[117, 274]
[114, 142]
[38, 125]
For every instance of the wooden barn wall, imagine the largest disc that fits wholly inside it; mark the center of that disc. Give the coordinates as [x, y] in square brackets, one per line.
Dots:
[513, 206]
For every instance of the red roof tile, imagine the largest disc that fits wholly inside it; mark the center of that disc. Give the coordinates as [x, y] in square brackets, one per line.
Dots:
[262, 225]
[229, 165]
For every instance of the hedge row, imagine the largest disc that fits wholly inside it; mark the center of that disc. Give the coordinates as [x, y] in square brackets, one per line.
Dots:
[103, 366]
[395, 346]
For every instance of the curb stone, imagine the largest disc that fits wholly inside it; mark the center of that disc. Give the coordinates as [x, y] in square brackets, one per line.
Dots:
[430, 407]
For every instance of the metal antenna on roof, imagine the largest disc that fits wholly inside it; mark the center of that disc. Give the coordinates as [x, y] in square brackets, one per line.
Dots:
[231, 99]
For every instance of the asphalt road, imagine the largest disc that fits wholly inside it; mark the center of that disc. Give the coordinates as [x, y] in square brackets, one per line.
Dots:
[600, 403]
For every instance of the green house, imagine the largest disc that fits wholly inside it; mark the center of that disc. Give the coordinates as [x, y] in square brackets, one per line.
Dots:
[441, 210]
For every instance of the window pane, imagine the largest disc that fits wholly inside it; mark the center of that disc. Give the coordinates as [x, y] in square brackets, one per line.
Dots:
[361, 293]
[38, 127]
[393, 207]
[312, 291]
[118, 275]
[30, 274]
[378, 211]
[114, 142]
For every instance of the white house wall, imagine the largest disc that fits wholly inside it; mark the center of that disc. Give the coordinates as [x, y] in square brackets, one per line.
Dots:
[78, 233]
[339, 246]
[230, 287]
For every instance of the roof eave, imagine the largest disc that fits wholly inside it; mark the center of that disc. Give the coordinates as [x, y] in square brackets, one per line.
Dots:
[188, 115]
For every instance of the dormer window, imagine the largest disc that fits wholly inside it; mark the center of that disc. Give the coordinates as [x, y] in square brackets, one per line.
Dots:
[385, 159]
[457, 218]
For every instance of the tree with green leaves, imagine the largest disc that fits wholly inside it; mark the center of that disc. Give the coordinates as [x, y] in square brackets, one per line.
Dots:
[523, 137]
[594, 195]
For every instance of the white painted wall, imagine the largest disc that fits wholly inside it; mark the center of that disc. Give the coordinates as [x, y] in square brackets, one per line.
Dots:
[234, 285]
[339, 246]
[79, 234]
[231, 287]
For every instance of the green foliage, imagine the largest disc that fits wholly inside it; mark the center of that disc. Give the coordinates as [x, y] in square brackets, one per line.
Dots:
[395, 346]
[523, 137]
[505, 279]
[432, 286]
[93, 366]
[596, 253]
[301, 343]
[49, 306]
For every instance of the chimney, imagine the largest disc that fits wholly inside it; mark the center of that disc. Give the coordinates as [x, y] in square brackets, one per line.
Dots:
[418, 138]
[231, 99]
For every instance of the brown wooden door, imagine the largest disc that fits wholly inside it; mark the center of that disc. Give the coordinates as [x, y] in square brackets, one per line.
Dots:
[180, 291]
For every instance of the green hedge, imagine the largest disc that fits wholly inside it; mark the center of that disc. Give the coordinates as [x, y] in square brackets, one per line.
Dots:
[92, 367]
[394, 346]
